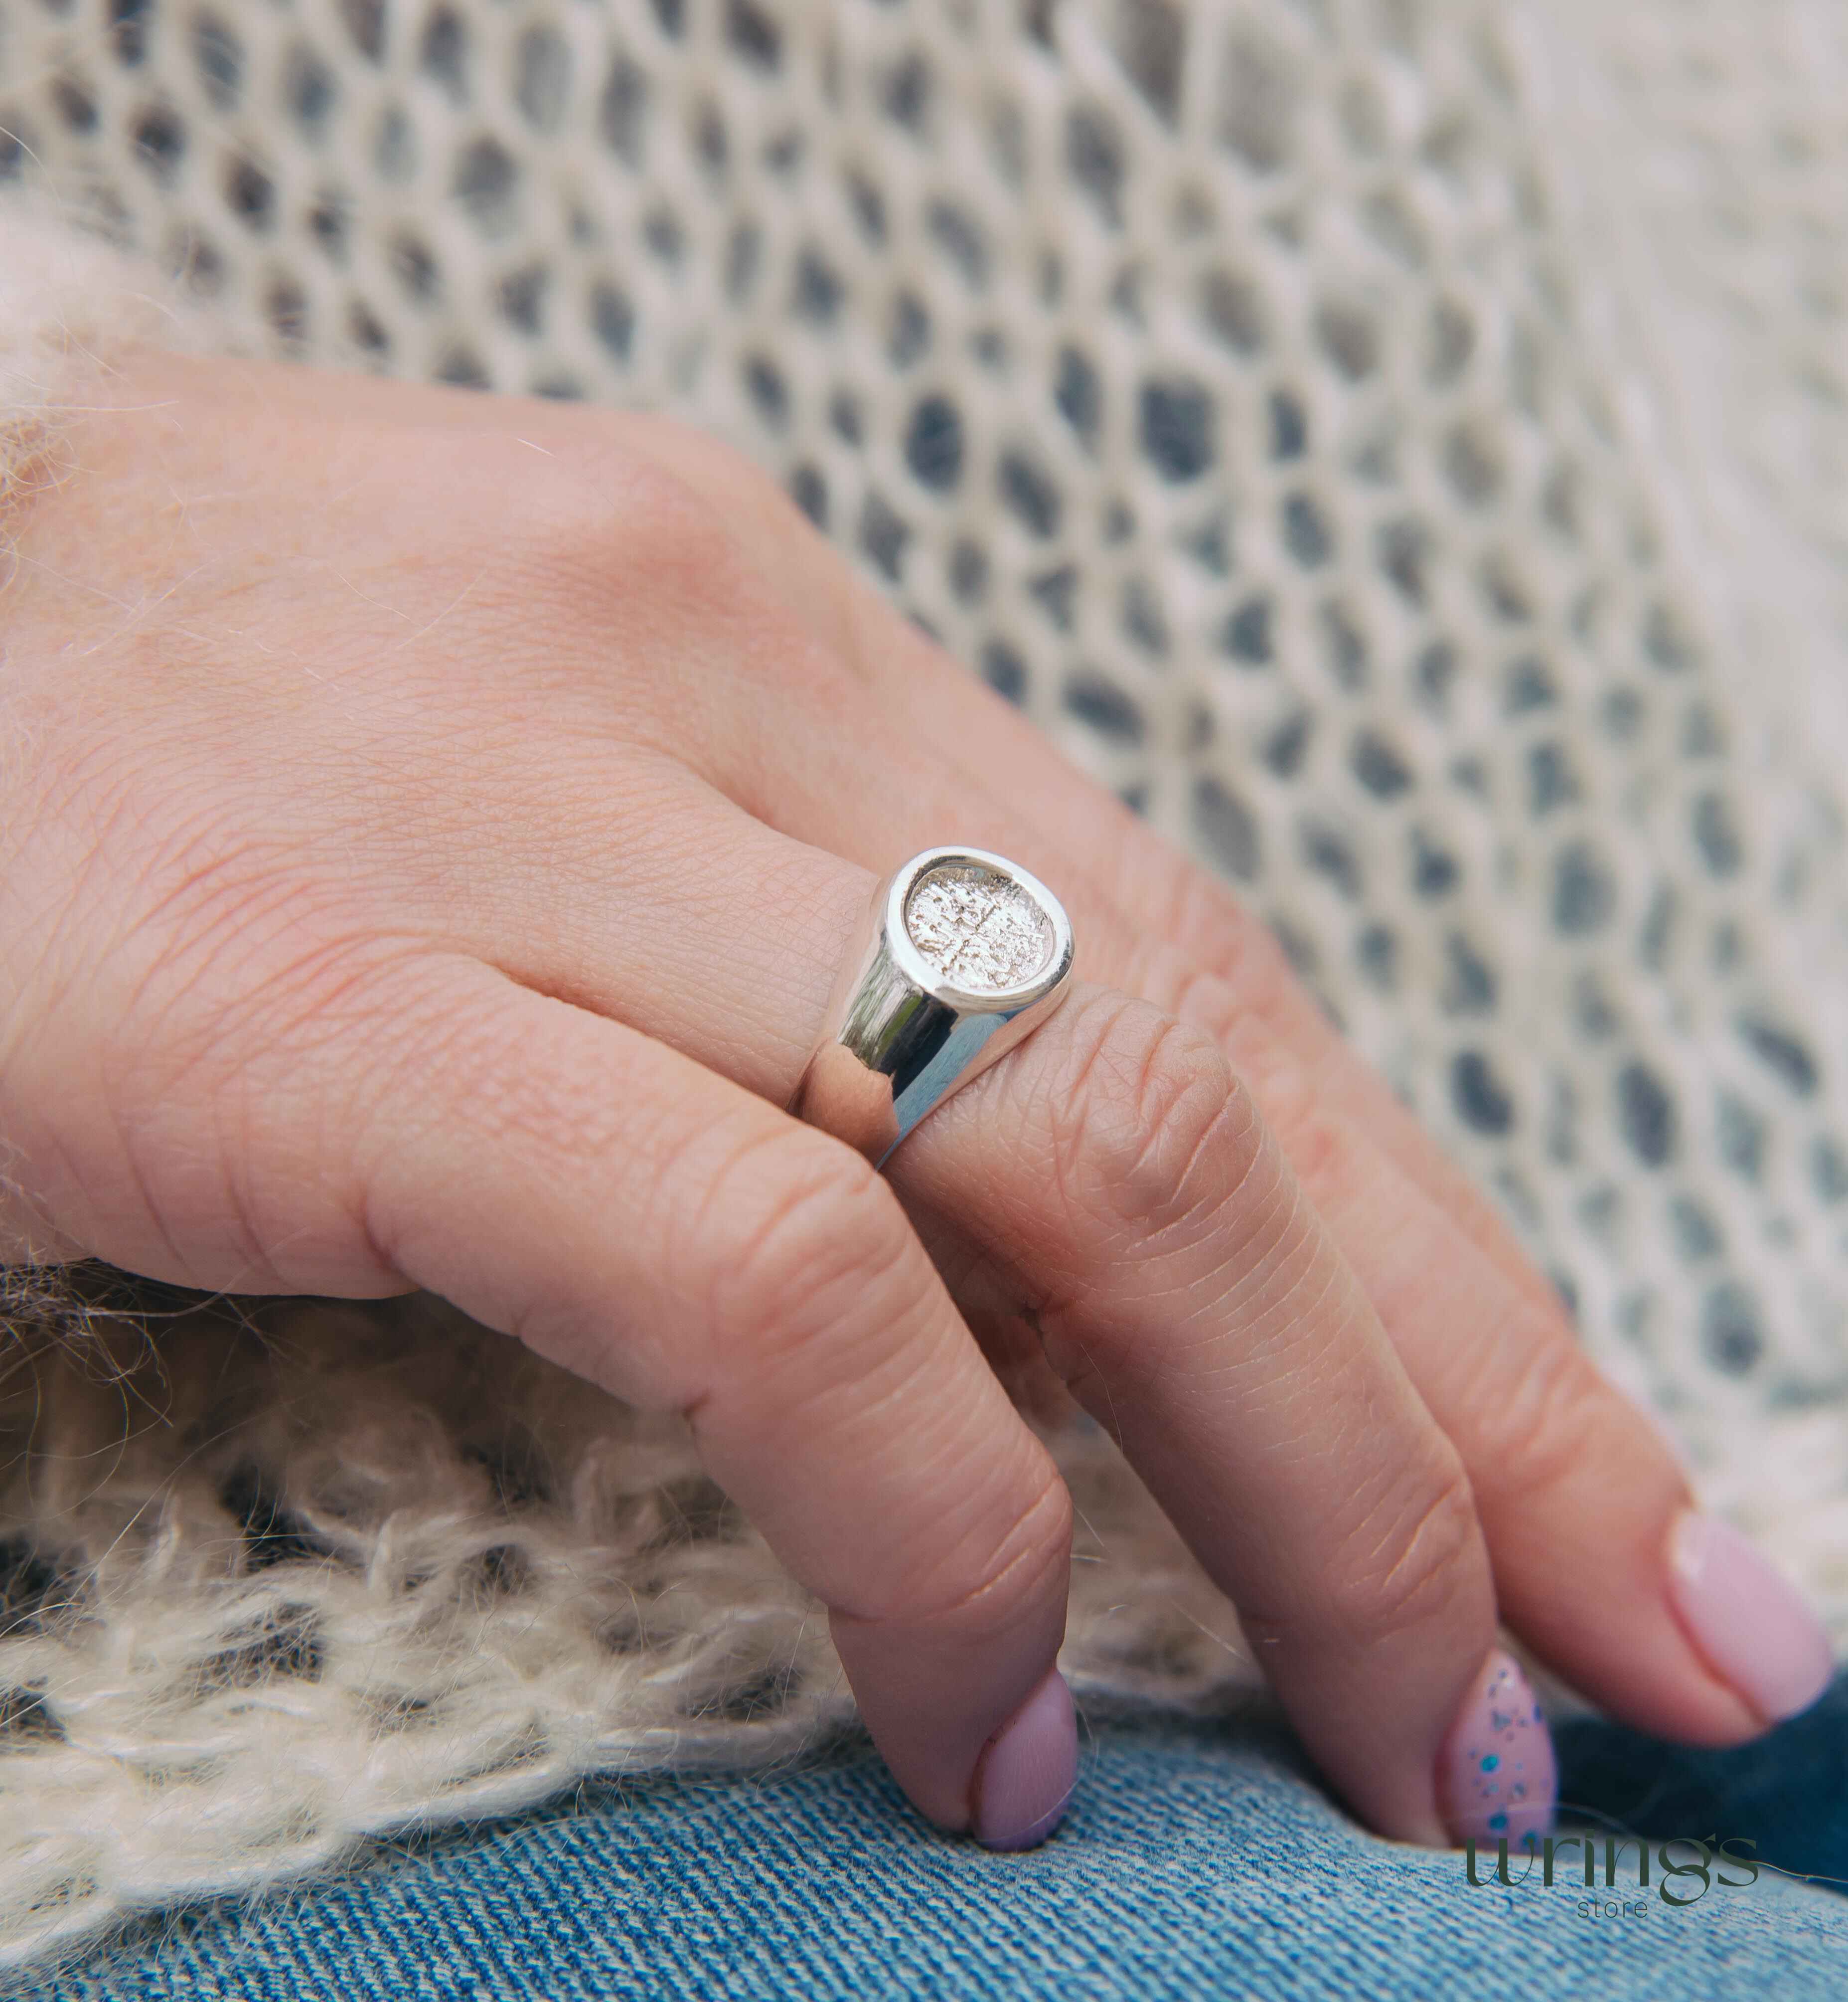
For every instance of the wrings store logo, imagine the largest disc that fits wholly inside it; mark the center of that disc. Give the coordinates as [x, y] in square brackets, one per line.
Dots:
[1680, 1880]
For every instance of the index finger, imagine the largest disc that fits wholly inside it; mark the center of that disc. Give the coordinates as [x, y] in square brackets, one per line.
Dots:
[680, 1241]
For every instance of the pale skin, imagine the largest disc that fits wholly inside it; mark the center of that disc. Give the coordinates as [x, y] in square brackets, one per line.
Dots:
[428, 825]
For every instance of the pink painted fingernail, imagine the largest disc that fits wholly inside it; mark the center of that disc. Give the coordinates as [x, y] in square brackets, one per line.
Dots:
[1746, 1617]
[1027, 1772]
[1496, 1776]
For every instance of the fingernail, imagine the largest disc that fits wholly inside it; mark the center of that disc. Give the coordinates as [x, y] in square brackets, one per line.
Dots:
[1026, 1774]
[1496, 1776]
[1746, 1617]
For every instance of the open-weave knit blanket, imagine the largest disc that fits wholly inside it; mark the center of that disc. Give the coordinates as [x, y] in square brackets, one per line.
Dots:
[1401, 445]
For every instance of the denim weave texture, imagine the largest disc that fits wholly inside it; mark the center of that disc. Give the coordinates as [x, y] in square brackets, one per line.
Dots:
[1199, 1859]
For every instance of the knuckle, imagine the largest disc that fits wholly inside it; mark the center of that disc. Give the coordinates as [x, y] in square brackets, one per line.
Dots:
[227, 963]
[597, 518]
[977, 1590]
[1243, 1013]
[1414, 1568]
[1153, 1127]
[1551, 1423]
[1173, 980]
[1236, 948]
[1243, 1024]
[626, 545]
[1199, 913]
[710, 464]
[1325, 1155]
[1206, 1001]
[1212, 964]
[803, 1239]
[660, 516]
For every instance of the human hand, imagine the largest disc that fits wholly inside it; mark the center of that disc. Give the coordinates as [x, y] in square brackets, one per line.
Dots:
[431, 829]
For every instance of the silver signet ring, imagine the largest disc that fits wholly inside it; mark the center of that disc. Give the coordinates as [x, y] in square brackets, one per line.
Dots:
[960, 955]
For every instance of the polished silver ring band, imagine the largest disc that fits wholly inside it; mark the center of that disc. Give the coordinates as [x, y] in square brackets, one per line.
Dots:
[960, 954]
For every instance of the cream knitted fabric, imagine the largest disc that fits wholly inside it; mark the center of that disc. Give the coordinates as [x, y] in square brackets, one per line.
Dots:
[66, 305]
[1306, 412]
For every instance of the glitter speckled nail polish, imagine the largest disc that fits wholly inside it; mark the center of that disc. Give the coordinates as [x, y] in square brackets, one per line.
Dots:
[1497, 1776]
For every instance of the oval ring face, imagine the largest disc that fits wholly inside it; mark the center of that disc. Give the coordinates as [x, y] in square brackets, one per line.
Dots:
[959, 953]
[980, 930]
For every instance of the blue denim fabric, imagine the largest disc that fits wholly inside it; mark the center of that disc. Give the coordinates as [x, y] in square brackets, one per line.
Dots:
[1199, 1859]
